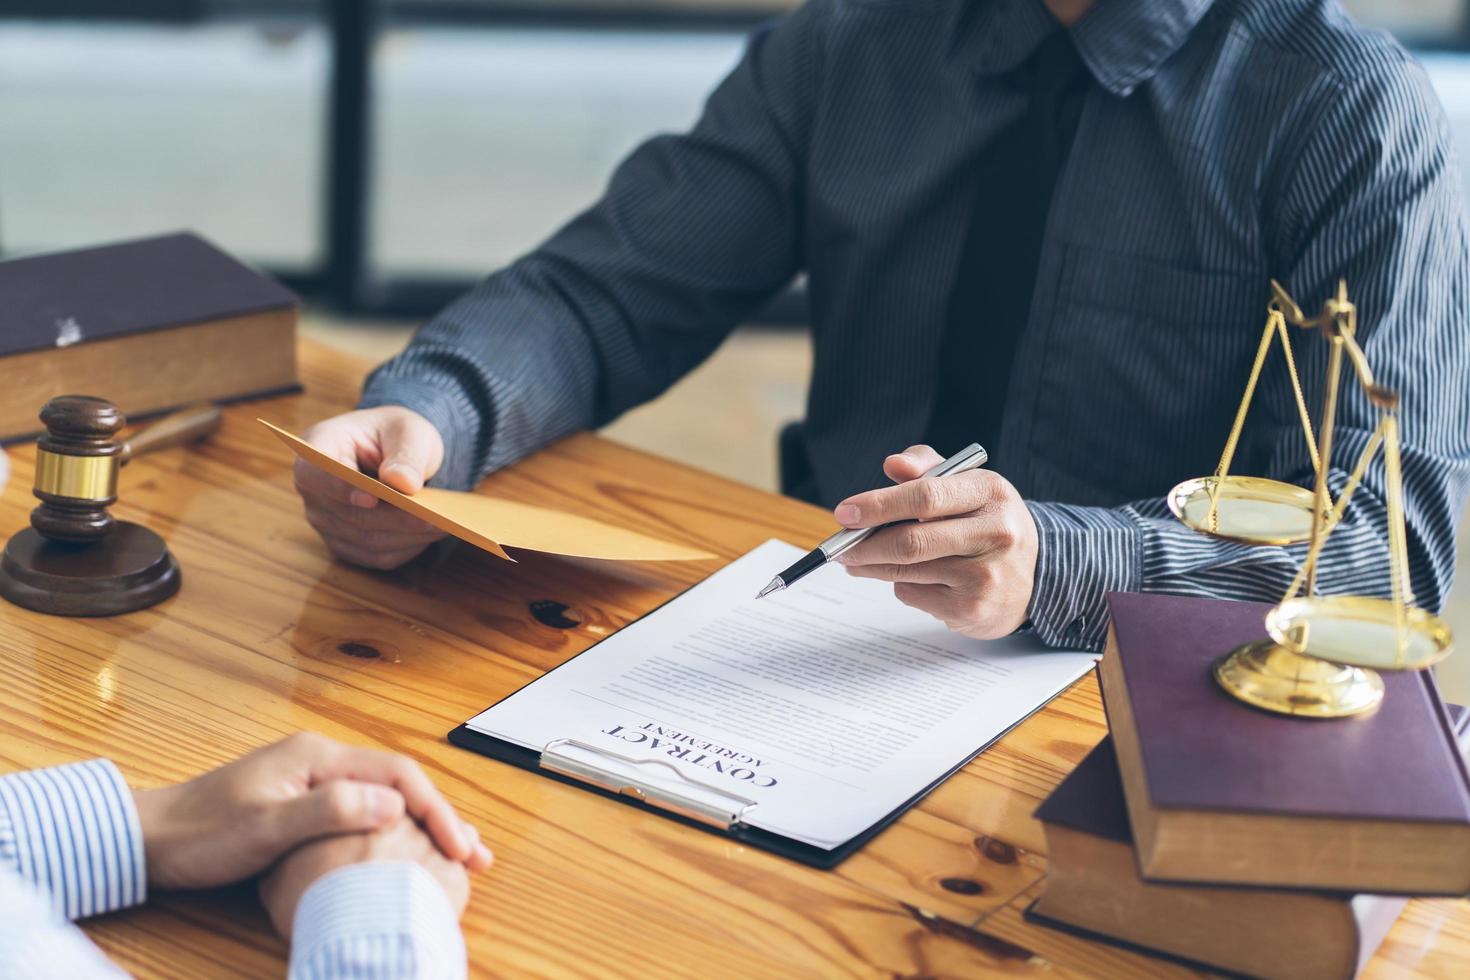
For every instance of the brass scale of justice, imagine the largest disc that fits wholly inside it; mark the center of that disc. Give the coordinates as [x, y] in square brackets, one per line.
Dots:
[1321, 658]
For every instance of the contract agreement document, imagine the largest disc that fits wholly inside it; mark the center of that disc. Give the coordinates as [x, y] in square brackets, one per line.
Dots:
[815, 714]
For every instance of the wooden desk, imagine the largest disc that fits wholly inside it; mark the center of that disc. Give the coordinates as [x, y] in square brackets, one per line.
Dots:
[269, 636]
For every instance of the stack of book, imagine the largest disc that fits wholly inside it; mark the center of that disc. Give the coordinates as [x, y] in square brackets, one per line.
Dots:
[1237, 839]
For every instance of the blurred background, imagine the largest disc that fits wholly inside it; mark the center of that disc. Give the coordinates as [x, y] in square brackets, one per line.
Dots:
[380, 157]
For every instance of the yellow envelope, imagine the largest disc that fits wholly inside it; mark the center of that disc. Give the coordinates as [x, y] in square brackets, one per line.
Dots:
[489, 523]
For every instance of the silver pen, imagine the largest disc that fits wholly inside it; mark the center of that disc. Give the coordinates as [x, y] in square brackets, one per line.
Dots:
[969, 458]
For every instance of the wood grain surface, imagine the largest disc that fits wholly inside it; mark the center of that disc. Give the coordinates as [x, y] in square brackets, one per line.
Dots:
[269, 636]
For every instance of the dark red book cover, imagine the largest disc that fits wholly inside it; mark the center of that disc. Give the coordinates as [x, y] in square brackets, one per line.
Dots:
[1091, 798]
[95, 293]
[1202, 749]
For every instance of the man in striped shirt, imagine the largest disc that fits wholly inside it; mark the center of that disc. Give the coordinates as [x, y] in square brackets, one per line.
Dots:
[1044, 225]
[362, 863]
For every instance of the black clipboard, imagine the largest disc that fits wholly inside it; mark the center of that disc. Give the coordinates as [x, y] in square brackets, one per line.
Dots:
[625, 789]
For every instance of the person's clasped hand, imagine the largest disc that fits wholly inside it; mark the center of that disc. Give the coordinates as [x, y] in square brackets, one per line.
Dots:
[401, 448]
[283, 886]
[971, 558]
[237, 821]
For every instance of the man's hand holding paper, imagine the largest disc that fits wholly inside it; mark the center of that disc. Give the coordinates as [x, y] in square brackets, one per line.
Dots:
[484, 520]
[405, 451]
[970, 560]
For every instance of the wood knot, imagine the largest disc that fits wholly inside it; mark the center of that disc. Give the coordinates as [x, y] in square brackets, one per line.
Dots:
[362, 651]
[997, 851]
[557, 615]
[961, 886]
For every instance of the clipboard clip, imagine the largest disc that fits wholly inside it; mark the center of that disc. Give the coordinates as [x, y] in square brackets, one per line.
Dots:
[706, 804]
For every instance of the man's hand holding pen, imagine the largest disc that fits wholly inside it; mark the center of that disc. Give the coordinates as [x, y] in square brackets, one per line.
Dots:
[971, 558]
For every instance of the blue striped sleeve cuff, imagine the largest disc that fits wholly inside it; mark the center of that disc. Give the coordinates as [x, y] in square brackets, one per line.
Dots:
[1083, 553]
[377, 921]
[441, 402]
[73, 832]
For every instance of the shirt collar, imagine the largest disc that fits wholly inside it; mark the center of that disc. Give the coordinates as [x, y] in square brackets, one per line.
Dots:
[1122, 42]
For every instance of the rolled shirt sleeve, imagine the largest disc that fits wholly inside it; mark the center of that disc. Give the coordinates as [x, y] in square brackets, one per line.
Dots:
[73, 833]
[1084, 553]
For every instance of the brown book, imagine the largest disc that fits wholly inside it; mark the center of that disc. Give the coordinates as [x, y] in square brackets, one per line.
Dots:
[1093, 886]
[150, 325]
[1221, 792]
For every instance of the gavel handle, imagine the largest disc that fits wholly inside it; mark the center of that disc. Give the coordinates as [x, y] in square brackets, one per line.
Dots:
[185, 425]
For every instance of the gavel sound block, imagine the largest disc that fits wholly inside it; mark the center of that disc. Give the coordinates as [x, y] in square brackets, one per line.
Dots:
[75, 559]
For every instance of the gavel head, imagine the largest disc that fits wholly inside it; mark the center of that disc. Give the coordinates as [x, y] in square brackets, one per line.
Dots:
[76, 468]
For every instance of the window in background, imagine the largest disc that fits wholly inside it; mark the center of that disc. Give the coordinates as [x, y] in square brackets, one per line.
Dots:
[493, 121]
[487, 139]
[1450, 75]
[1436, 22]
[112, 131]
[1439, 29]
[487, 136]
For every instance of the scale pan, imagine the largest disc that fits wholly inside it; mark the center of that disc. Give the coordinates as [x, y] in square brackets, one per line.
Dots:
[1248, 509]
[1359, 631]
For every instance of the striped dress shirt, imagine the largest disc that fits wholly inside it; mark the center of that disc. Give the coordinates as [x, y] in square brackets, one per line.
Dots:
[1220, 144]
[71, 847]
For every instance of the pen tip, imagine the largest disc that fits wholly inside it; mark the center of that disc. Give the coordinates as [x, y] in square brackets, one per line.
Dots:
[771, 586]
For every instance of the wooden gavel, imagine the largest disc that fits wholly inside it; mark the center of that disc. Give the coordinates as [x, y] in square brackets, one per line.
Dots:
[75, 559]
[78, 459]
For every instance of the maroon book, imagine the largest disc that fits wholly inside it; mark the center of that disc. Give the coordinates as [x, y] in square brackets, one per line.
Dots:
[150, 325]
[1091, 800]
[91, 294]
[1220, 791]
